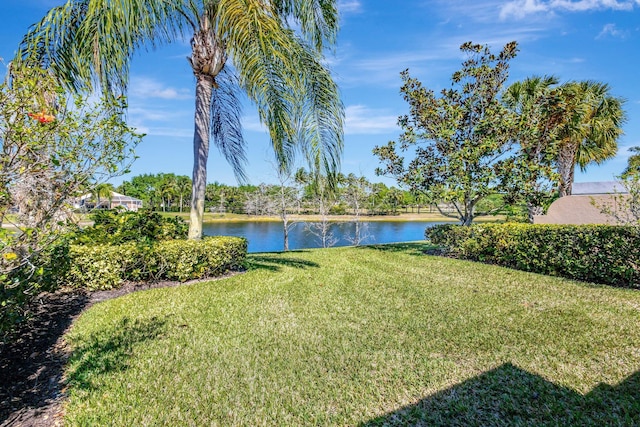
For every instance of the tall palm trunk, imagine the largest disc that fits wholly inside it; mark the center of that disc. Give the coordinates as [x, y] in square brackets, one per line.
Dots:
[204, 91]
[566, 168]
[207, 60]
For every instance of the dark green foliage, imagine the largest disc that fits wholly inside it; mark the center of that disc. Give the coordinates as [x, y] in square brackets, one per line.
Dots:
[115, 227]
[109, 266]
[461, 139]
[594, 253]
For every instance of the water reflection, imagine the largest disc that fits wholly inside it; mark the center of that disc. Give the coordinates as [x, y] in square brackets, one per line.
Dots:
[267, 236]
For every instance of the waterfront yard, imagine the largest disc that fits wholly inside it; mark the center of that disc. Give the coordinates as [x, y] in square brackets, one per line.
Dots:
[360, 336]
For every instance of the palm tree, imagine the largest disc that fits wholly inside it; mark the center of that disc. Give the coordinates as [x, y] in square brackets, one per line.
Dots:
[539, 111]
[591, 129]
[103, 190]
[168, 189]
[275, 47]
[183, 184]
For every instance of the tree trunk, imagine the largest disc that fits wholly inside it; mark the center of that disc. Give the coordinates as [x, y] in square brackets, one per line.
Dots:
[204, 91]
[207, 60]
[566, 168]
[533, 210]
[285, 232]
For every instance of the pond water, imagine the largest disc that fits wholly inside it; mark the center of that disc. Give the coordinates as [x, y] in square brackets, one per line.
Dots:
[268, 237]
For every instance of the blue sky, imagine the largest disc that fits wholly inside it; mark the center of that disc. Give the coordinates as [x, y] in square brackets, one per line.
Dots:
[574, 40]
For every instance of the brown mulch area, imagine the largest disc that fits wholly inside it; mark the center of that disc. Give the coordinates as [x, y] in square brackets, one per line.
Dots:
[32, 364]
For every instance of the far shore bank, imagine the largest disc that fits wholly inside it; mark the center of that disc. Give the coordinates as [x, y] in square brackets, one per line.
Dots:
[84, 220]
[402, 217]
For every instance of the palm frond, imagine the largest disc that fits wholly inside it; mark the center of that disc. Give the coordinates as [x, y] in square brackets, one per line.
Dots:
[295, 95]
[226, 122]
[91, 42]
[318, 19]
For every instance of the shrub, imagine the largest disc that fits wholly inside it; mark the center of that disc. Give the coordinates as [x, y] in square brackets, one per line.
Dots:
[19, 285]
[108, 266]
[115, 227]
[596, 253]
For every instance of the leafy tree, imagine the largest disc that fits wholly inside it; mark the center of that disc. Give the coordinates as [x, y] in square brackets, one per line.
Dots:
[142, 187]
[168, 190]
[52, 148]
[323, 195]
[356, 193]
[284, 200]
[461, 139]
[624, 208]
[590, 131]
[377, 198]
[633, 166]
[275, 47]
[394, 199]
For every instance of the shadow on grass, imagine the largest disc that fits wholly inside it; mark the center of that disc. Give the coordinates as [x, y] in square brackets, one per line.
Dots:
[31, 364]
[510, 396]
[109, 350]
[410, 248]
[276, 260]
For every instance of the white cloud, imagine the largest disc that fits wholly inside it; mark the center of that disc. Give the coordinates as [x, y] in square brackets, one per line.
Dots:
[144, 87]
[349, 6]
[157, 115]
[168, 131]
[360, 120]
[611, 30]
[520, 8]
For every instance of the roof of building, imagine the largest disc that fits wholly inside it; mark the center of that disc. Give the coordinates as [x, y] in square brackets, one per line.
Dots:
[117, 197]
[601, 187]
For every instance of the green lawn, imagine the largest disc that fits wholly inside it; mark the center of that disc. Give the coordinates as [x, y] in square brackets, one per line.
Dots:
[360, 336]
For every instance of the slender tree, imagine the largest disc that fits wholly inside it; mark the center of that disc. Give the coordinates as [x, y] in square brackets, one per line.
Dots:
[593, 124]
[103, 191]
[183, 184]
[275, 47]
[355, 194]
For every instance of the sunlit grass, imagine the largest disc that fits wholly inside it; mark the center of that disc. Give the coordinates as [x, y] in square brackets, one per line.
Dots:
[351, 336]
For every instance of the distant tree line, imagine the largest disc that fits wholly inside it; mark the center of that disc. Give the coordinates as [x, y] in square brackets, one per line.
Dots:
[353, 195]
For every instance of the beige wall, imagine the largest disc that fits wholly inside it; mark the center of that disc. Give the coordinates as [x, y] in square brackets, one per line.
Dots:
[578, 210]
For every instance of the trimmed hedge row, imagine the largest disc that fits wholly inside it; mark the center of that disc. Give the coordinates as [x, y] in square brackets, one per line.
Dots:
[594, 253]
[96, 267]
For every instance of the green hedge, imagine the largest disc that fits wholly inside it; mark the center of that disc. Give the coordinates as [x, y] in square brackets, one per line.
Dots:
[109, 266]
[594, 253]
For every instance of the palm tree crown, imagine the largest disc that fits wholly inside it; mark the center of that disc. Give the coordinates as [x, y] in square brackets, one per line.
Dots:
[593, 124]
[269, 49]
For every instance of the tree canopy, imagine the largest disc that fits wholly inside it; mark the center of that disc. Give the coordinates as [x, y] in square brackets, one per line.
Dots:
[461, 139]
[272, 51]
